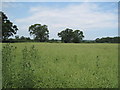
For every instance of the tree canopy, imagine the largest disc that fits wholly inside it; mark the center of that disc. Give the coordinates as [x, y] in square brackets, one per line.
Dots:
[8, 29]
[69, 36]
[40, 32]
[108, 40]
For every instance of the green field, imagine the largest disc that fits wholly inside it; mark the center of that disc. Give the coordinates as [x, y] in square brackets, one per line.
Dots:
[60, 65]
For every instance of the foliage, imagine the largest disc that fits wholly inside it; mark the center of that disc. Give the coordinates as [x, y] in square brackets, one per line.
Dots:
[18, 75]
[8, 29]
[40, 32]
[8, 57]
[27, 72]
[108, 40]
[54, 41]
[69, 36]
[88, 41]
[61, 65]
[22, 38]
[17, 37]
[77, 36]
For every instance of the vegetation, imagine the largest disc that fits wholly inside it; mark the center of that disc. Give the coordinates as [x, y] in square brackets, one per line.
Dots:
[40, 32]
[108, 40]
[54, 41]
[8, 29]
[56, 64]
[69, 36]
[60, 65]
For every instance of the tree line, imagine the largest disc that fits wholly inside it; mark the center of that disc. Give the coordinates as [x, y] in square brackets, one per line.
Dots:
[108, 40]
[41, 34]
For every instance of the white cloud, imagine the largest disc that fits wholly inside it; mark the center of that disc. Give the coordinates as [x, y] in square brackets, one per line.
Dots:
[85, 16]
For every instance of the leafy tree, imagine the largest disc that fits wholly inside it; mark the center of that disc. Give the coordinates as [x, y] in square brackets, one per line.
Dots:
[77, 36]
[108, 40]
[17, 37]
[24, 38]
[8, 29]
[66, 35]
[69, 36]
[97, 40]
[40, 32]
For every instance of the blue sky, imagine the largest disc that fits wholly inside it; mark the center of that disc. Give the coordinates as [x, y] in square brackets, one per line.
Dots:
[96, 20]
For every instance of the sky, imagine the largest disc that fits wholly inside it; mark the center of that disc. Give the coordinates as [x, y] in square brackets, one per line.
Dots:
[95, 19]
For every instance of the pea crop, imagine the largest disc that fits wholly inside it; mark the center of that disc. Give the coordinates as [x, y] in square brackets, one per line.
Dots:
[59, 65]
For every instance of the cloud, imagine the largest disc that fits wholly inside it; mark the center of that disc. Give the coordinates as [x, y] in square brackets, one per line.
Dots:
[85, 16]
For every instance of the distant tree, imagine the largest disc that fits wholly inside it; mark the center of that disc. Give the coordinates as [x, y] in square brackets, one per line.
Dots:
[108, 40]
[77, 36]
[116, 39]
[97, 40]
[40, 32]
[54, 40]
[28, 38]
[8, 29]
[68, 36]
[22, 38]
[17, 37]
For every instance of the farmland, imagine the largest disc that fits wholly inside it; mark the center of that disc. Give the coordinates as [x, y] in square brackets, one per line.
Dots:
[60, 65]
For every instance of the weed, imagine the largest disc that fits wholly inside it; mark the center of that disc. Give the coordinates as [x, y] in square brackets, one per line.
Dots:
[8, 56]
[45, 65]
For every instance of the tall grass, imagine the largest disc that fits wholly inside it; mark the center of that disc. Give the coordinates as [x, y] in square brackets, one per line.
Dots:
[24, 78]
[44, 65]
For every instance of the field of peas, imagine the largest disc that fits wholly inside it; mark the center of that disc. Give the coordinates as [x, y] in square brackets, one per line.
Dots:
[59, 65]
